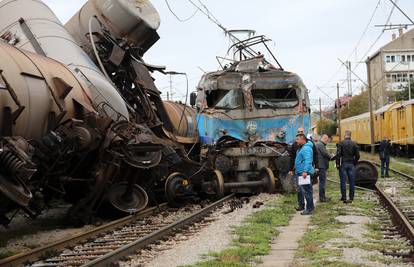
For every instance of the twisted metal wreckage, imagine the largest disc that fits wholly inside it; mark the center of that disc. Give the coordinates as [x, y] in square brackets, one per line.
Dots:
[70, 129]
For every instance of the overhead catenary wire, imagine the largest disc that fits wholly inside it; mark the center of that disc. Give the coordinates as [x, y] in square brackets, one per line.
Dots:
[177, 17]
[354, 49]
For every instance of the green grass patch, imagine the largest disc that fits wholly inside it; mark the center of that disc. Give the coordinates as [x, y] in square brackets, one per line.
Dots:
[254, 237]
[7, 253]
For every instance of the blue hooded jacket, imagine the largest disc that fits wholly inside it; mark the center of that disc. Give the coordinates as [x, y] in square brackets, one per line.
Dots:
[304, 159]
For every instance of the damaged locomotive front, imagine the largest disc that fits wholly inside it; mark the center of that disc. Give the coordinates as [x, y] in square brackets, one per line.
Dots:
[248, 115]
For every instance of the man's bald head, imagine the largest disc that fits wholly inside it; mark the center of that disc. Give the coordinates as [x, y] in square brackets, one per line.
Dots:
[301, 130]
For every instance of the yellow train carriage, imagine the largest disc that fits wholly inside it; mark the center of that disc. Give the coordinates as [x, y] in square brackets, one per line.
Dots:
[394, 121]
[402, 124]
[359, 126]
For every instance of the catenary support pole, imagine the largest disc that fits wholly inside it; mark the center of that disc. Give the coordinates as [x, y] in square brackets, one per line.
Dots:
[338, 111]
[371, 109]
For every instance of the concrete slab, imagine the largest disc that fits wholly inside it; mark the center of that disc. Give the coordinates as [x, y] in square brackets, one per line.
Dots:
[284, 246]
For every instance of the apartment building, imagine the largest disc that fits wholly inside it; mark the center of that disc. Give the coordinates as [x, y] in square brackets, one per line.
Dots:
[392, 67]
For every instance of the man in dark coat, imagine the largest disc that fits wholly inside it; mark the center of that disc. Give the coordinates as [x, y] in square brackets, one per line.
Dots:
[324, 157]
[347, 156]
[384, 153]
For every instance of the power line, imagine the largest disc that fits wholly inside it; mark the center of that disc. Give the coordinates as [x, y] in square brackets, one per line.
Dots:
[402, 12]
[177, 17]
[356, 46]
[374, 43]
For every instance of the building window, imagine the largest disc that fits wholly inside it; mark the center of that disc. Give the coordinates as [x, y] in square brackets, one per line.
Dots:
[389, 80]
[403, 58]
[388, 59]
[411, 76]
[392, 58]
[394, 78]
[398, 58]
[408, 58]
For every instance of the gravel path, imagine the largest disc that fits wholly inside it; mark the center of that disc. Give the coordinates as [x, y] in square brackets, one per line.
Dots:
[214, 237]
[24, 234]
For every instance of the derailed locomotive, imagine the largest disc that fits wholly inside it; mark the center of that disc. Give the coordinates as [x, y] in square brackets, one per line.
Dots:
[247, 115]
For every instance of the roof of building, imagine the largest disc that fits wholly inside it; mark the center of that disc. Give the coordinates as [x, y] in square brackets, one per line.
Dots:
[407, 34]
[343, 100]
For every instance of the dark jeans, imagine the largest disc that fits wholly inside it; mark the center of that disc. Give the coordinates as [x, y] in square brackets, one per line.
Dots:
[385, 164]
[347, 171]
[301, 197]
[307, 192]
[322, 183]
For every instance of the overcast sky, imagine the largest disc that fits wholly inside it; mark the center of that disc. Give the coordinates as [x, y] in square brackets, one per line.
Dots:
[309, 36]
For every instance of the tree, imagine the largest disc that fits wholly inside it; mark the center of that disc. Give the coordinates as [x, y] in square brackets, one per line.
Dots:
[326, 126]
[358, 105]
[403, 94]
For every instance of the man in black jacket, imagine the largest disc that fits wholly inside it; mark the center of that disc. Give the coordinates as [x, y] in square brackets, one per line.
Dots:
[324, 158]
[347, 156]
[384, 153]
[292, 154]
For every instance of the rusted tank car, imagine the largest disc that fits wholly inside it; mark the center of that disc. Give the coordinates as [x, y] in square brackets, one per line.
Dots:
[65, 128]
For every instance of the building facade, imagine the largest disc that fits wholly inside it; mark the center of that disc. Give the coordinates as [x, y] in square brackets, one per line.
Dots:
[392, 67]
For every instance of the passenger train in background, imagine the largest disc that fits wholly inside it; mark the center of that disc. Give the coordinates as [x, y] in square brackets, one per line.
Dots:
[394, 121]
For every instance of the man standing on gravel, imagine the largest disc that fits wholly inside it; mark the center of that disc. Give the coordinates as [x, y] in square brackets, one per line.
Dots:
[384, 153]
[347, 156]
[324, 157]
[304, 169]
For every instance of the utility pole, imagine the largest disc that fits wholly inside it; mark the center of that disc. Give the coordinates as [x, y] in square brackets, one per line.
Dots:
[171, 88]
[409, 81]
[371, 109]
[168, 96]
[320, 109]
[338, 111]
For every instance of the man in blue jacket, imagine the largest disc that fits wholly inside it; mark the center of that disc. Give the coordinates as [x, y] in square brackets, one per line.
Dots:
[304, 169]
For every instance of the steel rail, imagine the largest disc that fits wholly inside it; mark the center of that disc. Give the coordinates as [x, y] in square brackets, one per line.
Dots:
[131, 248]
[394, 170]
[397, 215]
[35, 254]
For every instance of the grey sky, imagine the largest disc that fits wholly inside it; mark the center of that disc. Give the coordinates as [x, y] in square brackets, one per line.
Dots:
[309, 36]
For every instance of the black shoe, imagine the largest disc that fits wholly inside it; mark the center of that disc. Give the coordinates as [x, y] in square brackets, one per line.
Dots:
[306, 212]
[343, 200]
[349, 201]
[382, 176]
[324, 200]
[299, 208]
[387, 176]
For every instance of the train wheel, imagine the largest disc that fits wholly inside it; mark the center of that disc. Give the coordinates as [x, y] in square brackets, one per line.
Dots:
[16, 190]
[266, 174]
[175, 189]
[128, 199]
[366, 174]
[218, 181]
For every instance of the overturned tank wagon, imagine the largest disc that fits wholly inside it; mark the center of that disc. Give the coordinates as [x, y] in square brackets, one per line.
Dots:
[248, 114]
[67, 130]
[118, 48]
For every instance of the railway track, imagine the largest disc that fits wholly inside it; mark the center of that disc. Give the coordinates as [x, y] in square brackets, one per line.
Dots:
[112, 242]
[397, 195]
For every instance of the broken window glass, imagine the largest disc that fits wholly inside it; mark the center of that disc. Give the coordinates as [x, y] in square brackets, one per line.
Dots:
[225, 99]
[275, 98]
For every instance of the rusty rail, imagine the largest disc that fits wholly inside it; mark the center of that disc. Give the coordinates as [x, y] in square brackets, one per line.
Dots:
[35, 254]
[397, 215]
[394, 170]
[116, 255]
